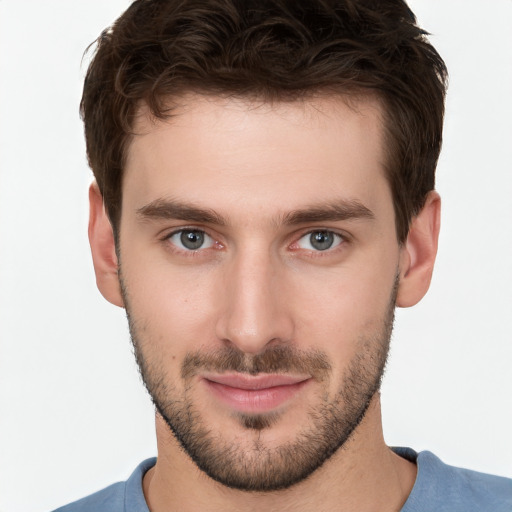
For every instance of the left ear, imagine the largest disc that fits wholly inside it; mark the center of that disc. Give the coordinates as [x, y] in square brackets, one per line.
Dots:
[418, 253]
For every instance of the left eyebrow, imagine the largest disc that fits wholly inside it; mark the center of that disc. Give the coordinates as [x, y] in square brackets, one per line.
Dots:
[329, 212]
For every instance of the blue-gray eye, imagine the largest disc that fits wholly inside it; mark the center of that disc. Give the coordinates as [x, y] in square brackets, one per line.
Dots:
[191, 239]
[321, 240]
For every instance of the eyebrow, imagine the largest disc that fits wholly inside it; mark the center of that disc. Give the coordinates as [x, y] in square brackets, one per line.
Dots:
[172, 209]
[328, 212]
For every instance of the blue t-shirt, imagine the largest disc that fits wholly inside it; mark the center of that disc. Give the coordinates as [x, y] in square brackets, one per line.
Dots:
[438, 488]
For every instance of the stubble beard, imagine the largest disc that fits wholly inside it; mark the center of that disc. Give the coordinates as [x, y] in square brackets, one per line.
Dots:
[256, 466]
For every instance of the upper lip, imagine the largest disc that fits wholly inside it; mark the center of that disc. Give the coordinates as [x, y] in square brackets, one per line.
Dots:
[255, 382]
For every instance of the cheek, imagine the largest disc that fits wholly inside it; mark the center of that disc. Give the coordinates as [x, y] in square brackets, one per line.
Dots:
[176, 307]
[171, 307]
[342, 307]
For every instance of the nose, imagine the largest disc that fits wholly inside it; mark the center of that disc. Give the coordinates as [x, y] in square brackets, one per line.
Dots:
[254, 310]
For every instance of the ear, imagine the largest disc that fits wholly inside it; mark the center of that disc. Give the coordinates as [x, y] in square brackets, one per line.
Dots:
[101, 239]
[418, 253]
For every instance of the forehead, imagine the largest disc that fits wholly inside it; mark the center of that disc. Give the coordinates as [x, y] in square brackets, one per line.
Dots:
[224, 153]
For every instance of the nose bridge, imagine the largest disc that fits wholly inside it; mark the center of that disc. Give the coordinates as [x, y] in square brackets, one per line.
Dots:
[254, 310]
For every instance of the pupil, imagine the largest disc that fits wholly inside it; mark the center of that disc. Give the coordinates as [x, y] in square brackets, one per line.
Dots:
[321, 240]
[192, 239]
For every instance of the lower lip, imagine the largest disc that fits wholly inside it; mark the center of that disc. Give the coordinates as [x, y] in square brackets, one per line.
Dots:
[255, 400]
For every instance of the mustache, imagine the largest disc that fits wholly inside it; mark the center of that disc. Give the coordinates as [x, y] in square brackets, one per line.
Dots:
[282, 359]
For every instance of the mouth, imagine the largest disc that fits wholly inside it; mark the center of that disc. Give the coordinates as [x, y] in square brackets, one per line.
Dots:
[254, 394]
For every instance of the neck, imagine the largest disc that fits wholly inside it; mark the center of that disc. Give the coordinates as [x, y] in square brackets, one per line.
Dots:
[363, 475]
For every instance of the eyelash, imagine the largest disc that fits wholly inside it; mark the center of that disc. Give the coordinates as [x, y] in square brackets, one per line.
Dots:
[341, 241]
[338, 240]
[168, 238]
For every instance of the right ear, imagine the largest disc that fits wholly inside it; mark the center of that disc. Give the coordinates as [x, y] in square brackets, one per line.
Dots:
[103, 248]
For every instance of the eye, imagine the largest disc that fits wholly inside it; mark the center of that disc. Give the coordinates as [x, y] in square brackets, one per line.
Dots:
[191, 239]
[321, 240]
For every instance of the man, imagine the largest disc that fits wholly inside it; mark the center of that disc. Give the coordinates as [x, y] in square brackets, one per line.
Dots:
[264, 198]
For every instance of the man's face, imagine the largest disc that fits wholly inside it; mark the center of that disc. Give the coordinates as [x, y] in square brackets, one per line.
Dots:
[259, 269]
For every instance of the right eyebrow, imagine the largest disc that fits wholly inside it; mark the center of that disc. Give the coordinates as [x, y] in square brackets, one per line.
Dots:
[171, 209]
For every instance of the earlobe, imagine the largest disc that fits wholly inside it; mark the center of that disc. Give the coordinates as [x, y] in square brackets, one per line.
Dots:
[418, 253]
[101, 239]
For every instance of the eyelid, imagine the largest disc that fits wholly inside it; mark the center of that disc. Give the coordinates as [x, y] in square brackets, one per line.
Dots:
[167, 237]
[170, 231]
[342, 239]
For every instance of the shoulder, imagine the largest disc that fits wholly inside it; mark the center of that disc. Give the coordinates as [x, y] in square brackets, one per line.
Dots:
[111, 498]
[125, 496]
[442, 487]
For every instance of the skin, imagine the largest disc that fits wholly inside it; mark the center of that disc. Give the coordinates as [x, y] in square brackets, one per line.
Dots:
[258, 283]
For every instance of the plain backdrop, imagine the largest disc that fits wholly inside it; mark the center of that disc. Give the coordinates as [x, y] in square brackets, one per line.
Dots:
[74, 416]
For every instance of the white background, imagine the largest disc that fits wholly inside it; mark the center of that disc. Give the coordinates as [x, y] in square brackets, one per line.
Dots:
[73, 414]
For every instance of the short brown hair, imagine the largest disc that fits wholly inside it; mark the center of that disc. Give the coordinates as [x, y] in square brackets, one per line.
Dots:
[275, 50]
